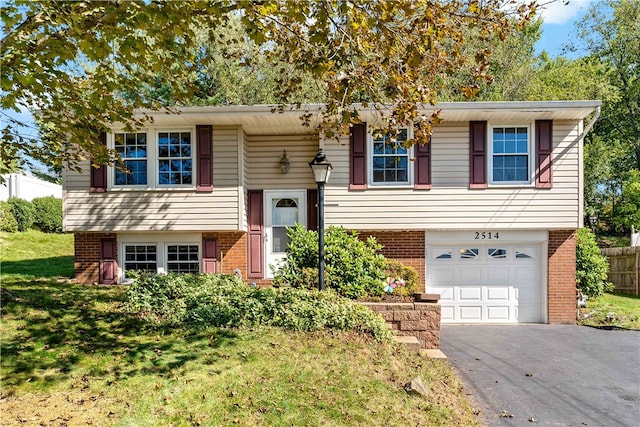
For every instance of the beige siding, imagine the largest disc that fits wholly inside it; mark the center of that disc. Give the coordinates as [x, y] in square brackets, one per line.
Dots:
[177, 210]
[263, 161]
[450, 204]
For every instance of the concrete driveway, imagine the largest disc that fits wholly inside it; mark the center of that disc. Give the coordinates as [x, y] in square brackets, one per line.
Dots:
[559, 375]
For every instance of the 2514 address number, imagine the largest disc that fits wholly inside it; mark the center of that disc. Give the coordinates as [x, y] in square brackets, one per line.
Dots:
[487, 235]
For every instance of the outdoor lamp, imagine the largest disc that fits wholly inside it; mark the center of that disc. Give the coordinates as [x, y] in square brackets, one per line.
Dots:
[321, 169]
[285, 164]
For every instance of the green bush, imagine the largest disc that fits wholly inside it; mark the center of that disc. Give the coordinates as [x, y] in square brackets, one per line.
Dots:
[205, 300]
[48, 215]
[591, 266]
[352, 266]
[23, 211]
[398, 270]
[7, 220]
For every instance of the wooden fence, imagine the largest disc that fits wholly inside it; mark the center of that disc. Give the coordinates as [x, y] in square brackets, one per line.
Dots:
[624, 269]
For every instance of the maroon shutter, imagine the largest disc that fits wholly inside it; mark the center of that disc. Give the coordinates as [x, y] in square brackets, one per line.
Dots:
[108, 267]
[204, 149]
[358, 157]
[312, 209]
[256, 236]
[99, 174]
[477, 155]
[422, 166]
[544, 147]
[210, 262]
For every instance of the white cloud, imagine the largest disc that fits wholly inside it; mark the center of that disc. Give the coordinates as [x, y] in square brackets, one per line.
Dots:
[560, 13]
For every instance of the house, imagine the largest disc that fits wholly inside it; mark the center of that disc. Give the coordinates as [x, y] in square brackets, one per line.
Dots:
[27, 187]
[487, 212]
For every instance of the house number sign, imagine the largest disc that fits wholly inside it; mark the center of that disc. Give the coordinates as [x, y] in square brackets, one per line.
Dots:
[487, 235]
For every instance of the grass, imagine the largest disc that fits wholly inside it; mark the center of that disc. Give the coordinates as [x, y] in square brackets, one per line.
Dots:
[625, 309]
[72, 356]
[34, 254]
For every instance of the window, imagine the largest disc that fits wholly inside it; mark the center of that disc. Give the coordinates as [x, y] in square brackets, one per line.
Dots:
[155, 159]
[140, 257]
[390, 159]
[510, 155]
[469, 253]
[183, 259]
[175, 164]
[495, 253]
[132, 147]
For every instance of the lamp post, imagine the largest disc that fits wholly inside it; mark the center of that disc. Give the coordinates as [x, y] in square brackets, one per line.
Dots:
[321, 169]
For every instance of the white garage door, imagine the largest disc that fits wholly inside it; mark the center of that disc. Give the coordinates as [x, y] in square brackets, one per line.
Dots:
[480, 282]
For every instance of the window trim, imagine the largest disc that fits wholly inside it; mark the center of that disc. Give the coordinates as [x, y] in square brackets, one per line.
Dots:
[531, 152]
[153, 178]
[410, 163]
[161, 242]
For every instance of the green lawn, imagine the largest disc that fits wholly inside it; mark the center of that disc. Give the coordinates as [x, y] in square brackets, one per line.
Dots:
[72, 356]
[625, 310]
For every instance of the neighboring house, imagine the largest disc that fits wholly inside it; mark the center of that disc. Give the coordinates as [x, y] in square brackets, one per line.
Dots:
[487, 212]
[27, 187]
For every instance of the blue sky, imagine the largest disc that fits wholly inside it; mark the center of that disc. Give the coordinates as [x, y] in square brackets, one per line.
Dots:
[558, 27]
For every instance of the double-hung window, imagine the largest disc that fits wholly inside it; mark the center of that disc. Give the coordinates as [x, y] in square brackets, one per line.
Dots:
[132, 148]
[158, 256]
[183, 259]
[510, 155]
[154, 159]
[141, 257]
[390, 159]
[175, 164]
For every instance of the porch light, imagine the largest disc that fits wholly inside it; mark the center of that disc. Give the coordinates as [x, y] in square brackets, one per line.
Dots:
[321, 169]
[285, 164]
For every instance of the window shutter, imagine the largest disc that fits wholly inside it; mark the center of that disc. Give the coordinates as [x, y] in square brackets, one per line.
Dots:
[204, 149]
[256, 236]
[478, 155]
[312, 209]
[210, 262]
[544, 148]
[99, 174]
[358, 157]
[422, 166]
[108, 266]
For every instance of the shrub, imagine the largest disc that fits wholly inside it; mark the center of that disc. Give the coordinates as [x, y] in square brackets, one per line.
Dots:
[398, 270]
[7, 220]
[352, 266]
[23, 211]
[591, 266]
[206, 300]
[48, 216]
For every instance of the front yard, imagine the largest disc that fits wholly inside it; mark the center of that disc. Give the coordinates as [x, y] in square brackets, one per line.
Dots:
[611, 310]
[72, 356]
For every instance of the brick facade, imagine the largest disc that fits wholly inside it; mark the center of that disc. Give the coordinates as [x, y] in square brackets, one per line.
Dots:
[562, 276]
[408, 247]
[86, 248]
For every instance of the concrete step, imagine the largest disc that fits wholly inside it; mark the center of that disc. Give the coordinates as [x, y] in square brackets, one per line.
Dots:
[433, 353]
[410, 341]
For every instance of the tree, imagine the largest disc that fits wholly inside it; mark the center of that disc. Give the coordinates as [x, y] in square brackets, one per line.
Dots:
[86, 65]
[609, 35]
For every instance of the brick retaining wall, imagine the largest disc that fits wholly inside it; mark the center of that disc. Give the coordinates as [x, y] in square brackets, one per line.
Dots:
[419, 319]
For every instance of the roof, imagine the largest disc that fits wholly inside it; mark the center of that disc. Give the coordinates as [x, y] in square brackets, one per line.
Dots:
[263, 120]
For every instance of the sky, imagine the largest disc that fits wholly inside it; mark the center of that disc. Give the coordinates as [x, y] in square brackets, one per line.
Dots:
[558, 25]
[557, 30]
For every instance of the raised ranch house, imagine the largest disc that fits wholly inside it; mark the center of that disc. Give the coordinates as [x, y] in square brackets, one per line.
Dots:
[487, 212]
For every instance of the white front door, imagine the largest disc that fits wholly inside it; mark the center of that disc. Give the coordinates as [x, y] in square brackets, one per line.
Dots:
[282, 209]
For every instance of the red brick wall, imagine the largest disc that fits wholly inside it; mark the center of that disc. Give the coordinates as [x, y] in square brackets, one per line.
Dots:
[86, 248]
[404, 246]
[562, 276]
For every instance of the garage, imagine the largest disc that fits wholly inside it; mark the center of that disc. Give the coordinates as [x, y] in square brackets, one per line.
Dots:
[492, 277]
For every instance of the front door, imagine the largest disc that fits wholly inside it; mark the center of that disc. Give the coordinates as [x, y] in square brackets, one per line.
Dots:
[282, 209]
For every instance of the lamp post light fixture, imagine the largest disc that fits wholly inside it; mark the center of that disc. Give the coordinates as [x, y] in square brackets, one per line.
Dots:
[321, 169]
